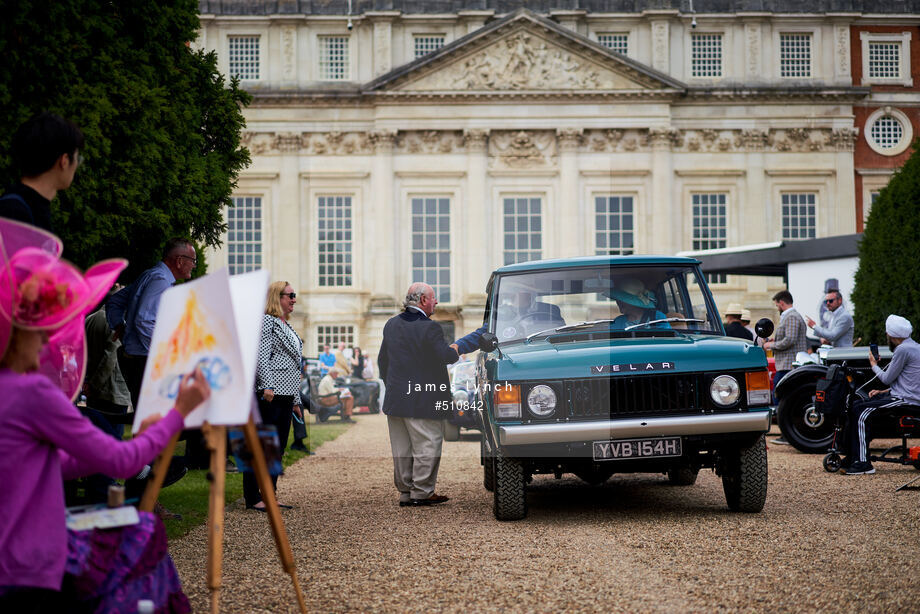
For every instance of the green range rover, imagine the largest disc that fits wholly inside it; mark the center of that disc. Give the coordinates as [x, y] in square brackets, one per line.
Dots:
[617, 364]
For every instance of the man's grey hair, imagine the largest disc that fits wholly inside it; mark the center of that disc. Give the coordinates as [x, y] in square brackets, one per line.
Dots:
[414, 294]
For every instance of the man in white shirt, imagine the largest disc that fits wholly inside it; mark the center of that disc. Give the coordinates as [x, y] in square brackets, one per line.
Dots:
[330, 394]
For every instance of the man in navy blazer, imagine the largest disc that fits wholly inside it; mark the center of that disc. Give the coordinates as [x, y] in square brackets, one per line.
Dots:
[413, 360]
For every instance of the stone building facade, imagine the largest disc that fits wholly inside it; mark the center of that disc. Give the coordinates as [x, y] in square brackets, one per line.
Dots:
[394, 144]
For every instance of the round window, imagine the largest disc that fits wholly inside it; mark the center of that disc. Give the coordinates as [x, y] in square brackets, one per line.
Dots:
[888, 131]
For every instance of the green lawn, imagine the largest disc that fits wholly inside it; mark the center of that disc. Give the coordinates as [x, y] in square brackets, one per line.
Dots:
[189, 496]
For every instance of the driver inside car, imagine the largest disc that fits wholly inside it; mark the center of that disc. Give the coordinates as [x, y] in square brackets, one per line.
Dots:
[636, 304]
[526, 312]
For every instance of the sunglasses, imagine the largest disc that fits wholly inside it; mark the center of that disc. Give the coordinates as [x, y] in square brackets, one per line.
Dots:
[291, 295]
[830, 301]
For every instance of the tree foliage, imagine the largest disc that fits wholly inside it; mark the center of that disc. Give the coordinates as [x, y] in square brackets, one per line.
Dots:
[162, 126]
[888, 278]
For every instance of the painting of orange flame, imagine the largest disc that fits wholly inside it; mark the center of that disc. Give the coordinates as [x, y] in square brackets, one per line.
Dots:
[189, 338]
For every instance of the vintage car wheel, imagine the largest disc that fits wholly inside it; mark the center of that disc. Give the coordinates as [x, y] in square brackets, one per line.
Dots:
[803, 427]
[510, 494]
[594, 475]
[683, 475]
[451, 431]
[488, 467]
[744, 476]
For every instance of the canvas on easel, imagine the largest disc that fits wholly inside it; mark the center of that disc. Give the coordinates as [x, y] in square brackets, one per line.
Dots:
[213, 323]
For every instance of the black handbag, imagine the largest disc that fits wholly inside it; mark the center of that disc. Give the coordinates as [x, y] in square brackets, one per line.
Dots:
[832, 391]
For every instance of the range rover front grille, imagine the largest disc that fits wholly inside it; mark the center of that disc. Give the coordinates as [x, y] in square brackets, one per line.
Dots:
[600, 397]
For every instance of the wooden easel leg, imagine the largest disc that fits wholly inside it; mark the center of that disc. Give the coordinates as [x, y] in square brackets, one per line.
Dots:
[260, 468]
[216, 438]
[152, 491]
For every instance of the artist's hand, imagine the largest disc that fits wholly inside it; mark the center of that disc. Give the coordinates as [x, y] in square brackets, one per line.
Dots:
[193, 391]
[147, 422]
[297, 412]
[268, 394]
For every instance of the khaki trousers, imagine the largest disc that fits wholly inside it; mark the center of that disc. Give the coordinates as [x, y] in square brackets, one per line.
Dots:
[416, 445]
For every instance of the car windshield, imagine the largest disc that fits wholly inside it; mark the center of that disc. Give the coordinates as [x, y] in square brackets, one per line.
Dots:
[630, 299]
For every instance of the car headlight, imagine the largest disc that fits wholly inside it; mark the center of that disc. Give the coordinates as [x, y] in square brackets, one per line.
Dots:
[725, 390]
[461, 397]
[541, 401]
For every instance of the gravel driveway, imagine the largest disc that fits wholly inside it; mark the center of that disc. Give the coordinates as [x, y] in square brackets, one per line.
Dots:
[824, 543]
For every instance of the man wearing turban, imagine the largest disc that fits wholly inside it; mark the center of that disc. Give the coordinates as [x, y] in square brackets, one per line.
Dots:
[902, 376]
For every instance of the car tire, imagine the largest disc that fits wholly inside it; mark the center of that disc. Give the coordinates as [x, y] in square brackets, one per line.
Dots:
[451, 431]
[488, 467]
[510, 494]
[803, 427]
[744, 476]
[683, 475]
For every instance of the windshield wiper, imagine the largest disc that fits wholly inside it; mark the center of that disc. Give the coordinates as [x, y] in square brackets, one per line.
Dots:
[663, 320]
[567, 327]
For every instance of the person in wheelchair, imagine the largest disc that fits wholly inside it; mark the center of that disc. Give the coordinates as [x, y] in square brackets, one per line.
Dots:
[902, 376]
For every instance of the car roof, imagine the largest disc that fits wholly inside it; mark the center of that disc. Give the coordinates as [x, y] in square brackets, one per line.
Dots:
[581, 261]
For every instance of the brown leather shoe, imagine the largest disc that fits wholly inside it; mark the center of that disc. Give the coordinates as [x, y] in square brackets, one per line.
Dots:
[434, 499]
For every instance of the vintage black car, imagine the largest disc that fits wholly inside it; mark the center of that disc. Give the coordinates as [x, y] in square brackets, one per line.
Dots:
[801, 424]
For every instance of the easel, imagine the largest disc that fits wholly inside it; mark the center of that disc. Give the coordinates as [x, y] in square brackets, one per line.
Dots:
[216, 440]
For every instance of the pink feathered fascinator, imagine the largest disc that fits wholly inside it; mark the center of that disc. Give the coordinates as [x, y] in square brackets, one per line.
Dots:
[39, 291]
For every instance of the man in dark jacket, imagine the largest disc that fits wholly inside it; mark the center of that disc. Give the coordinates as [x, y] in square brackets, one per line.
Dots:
[733, 325]
[413, 360]
[46, 151]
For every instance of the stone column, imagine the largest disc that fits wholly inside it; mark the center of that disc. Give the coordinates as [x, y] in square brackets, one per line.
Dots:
[569, 206]
[475, 213]
[753, 52]
[666, 226]
[383, 44]
[388, 255]
[843, 141]
[287, 259]
[661, 45]
[753, 219]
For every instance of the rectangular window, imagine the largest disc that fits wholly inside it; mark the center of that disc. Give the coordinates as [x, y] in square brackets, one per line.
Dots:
[884, 60]
[333, 58]
[334, 240]
[243, 60]
[431, 244]
[613, 229]
[618, 42]
[426, 43]
[795, 55]
[244, 234]
[523, 229]
[710, 228]
[706, 55]
[331, 335]
[799, 215]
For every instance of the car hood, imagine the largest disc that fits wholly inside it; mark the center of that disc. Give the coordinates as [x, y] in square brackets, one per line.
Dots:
[623, 357]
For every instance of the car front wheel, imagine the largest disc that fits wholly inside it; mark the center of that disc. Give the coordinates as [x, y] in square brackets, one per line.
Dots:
[510, 496]
[803, 427]
[744, 476]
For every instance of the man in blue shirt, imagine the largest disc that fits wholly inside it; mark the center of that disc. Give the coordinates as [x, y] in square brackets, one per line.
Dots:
[326, 361]
[132, 312]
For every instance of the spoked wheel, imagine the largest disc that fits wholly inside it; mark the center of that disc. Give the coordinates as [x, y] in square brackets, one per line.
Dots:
[802, 425]
[832, 462]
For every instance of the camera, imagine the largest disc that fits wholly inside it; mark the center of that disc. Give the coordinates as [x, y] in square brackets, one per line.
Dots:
[693, 23]
[349, 25]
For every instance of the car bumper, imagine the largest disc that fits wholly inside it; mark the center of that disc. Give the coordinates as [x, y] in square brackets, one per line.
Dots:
[558, 432]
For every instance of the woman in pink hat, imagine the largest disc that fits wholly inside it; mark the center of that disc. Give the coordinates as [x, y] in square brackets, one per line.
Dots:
[45, 440]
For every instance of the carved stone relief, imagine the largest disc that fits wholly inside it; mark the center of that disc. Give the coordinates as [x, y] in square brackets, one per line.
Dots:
[522, 149]
[523, 61]
[752, 38]
[539, 148]
[842, 50]
[430, 142]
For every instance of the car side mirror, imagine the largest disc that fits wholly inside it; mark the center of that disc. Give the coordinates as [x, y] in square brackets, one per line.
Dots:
[764, 327]
[488, 342]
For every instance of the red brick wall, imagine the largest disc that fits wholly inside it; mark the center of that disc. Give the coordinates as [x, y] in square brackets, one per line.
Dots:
[856, 55]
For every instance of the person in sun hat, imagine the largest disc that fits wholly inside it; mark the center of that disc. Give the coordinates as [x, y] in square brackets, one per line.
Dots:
[45, 440]
[636, 304]
[902, 376]
[733, 326]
